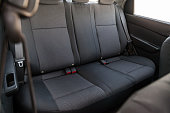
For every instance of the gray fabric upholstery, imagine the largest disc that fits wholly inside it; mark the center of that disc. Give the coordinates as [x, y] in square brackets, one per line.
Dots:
[49, 16]
[107, 30]
[109, 21]
[165, 58]
[50, 35]
[71, 32]
[139, 68]
[151, 99]
[99, 27]
[58, 39]
[110, 81]
[85, 33]
[112, 41]
[81, 1]
[122, 35]
[49, 2]
[27, 30]
[44, 99]
[60, 93]
[106, 2]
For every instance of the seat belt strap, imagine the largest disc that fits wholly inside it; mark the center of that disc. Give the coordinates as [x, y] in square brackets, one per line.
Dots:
[20, 63]
[130, 48]
[122, 18]
[15, 12]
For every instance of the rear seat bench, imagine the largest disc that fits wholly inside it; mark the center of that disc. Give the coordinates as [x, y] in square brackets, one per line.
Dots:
[78, 35]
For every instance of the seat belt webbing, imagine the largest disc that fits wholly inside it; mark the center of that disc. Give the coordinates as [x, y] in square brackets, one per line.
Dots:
[20, 62]
[123, 21]
[130, 48]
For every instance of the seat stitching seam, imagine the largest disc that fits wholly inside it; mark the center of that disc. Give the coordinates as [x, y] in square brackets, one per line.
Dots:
[75, 34]
[47, 28]
[107, 25]
[98, 85]
[97, 35]
[91, 24]
[71, 32]
[50, 94]
[35, 45]
[114, 61]
[57, 76]
[122, 73]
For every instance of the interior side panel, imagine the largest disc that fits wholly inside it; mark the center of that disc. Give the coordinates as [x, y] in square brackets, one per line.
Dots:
[147, 34]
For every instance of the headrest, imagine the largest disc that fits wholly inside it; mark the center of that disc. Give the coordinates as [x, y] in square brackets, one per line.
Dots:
[81, 1]
[20, 3]
[49, 2]
[106, 2]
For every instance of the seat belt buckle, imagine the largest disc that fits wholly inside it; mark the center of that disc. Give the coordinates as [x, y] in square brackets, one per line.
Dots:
[68, 71]
[73, 70]
[20, 62]
[20, 69]
[104, 62]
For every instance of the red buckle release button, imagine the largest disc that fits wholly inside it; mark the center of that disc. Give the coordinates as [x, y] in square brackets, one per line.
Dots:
[68, 71]
[73, 70]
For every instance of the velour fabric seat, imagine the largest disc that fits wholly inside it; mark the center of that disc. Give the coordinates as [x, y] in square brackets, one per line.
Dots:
[60, 93]
[110, 81]
[101, 29]
[50, 49]
[136, 67]
[84, 26]
[67, 35]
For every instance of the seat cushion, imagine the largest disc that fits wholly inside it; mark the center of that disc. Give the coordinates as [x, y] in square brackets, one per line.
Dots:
[55, 93]
[136, 67]
[112, 82]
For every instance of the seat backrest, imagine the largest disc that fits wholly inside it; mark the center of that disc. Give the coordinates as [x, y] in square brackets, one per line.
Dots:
[165, 58]
[111, 36]
[85, 32]
[57, 40]
[47, 38]
[98, 29]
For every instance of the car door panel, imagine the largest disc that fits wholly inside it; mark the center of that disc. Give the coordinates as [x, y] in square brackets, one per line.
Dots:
[147, 34]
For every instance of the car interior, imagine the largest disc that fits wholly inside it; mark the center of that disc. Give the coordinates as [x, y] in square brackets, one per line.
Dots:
[81, 56]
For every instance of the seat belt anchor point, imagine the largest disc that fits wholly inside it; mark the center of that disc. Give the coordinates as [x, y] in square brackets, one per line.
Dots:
[20, 62]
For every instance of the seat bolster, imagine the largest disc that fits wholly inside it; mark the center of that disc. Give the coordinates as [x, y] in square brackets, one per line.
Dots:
[44, 100]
